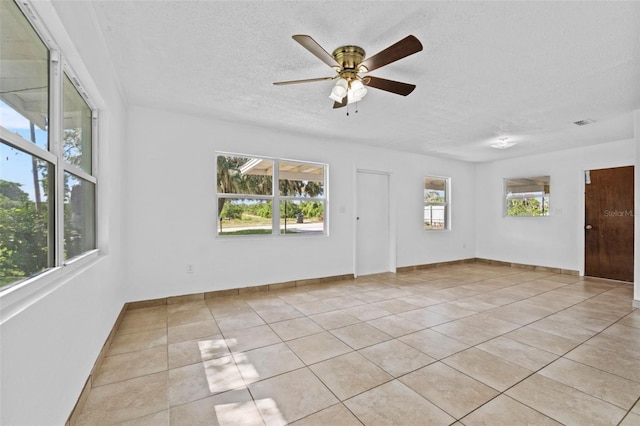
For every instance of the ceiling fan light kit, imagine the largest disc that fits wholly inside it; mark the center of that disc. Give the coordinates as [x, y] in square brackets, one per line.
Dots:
[340, 90]
[354, 91]
[349, 61]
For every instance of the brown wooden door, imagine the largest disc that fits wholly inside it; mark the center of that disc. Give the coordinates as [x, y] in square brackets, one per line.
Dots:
[608, 241]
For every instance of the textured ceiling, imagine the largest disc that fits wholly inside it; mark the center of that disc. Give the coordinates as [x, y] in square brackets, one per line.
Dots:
[522, 70]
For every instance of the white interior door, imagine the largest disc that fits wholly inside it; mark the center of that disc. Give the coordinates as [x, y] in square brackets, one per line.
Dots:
[372, 223]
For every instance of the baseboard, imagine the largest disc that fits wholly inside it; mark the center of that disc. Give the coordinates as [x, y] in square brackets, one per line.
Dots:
[536, 268]
[234, 291]
[434, 265]
[84, 394]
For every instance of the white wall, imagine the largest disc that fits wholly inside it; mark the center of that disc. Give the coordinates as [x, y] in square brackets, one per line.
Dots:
[554, 241]
[170, 207]
[416, 246]
[52, 332]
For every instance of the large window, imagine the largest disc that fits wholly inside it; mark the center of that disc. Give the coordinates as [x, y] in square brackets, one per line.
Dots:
[47, 174]
[436, 203]
[527, 196]
[246, 195]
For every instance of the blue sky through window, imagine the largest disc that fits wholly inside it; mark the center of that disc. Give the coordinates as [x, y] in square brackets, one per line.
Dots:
[15, 165]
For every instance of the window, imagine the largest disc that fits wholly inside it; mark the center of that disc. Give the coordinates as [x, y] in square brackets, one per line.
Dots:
[527, 196]
[246, 196]
[79, 216]
[26, 215]
[79, 184]
[47, 178]
[436, 203]
[24, 81]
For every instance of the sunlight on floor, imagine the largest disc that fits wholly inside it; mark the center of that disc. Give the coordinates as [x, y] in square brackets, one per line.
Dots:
[238, 413]
[227, 373]
[270, 412]
[209, 348]
[247, 370]
[222, 374]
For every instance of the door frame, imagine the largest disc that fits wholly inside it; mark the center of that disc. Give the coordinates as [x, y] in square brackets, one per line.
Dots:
[392, 261]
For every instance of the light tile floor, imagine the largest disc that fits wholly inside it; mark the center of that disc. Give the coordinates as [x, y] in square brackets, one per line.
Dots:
[469, 344]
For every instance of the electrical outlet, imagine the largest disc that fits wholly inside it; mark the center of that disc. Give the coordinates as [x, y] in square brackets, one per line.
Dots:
[189, 268]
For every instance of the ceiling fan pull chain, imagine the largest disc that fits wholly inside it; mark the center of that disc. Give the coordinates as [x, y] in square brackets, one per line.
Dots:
[347, 110]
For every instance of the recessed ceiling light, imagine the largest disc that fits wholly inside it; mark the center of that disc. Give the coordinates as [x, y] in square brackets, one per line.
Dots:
[503, 143]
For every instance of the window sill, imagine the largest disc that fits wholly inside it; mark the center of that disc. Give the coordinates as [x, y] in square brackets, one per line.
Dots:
[19, 297]
[291, 236]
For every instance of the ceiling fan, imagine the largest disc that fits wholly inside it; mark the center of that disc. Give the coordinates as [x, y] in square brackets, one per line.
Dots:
[349, 62]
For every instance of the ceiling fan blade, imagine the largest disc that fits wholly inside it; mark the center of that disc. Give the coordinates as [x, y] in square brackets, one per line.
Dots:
[312, 46]
[392, 86]
[340, 104]
[405, 47]
[308, 80]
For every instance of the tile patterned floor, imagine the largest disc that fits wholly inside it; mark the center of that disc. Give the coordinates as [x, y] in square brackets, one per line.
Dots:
[468, 344]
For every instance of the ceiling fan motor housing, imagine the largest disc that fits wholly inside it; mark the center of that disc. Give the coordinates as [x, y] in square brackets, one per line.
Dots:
[349, 58]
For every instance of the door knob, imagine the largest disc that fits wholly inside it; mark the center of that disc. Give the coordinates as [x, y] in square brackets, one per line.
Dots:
[588, 227]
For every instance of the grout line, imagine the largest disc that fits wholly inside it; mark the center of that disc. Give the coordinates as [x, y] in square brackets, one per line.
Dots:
[629, 411]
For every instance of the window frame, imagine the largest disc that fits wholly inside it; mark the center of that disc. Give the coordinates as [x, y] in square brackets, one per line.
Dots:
[275, 198]
[446, 204]
[58, 69]
[544, 195]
